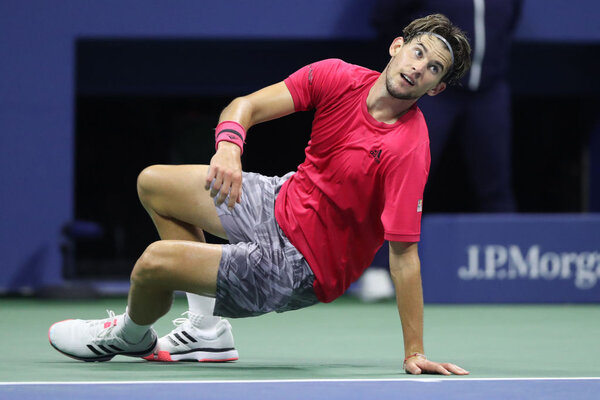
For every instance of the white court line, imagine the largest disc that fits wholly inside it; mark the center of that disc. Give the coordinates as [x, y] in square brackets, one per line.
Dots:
[422, 380]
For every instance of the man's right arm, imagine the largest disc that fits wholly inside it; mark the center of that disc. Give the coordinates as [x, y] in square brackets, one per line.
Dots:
[272, 102]
[225, 172]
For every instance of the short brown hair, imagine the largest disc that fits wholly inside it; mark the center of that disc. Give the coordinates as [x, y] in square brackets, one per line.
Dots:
[441, 25]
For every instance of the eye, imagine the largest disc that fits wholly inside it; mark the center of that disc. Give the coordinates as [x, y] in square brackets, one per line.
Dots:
[418, 52]
[434, 69]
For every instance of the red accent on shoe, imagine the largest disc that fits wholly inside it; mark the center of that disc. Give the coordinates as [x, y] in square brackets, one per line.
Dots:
[218, 361]
[164, 356]
[108, 324]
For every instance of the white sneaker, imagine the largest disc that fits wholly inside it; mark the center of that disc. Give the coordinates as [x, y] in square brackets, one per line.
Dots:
[97, 340]
[188, 342]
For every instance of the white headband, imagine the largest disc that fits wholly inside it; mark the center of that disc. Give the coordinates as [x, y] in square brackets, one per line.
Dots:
[443, 39]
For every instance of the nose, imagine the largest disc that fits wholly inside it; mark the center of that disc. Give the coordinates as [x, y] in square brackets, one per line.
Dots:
[419, 67]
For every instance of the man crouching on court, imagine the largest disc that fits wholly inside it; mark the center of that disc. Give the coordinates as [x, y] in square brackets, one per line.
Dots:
[295, 240]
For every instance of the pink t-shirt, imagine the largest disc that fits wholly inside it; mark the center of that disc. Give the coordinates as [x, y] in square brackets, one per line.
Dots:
[362, 180]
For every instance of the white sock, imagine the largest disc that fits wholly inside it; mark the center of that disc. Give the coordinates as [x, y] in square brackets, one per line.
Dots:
[203, 306]
[132, 332]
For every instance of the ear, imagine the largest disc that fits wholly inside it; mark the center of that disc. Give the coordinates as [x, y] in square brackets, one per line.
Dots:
[396, 45]
[439, 88]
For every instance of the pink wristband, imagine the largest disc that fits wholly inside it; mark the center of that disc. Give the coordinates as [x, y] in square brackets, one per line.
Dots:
[230, 131]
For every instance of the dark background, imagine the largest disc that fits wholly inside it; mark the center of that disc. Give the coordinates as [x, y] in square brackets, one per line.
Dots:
[123, 126]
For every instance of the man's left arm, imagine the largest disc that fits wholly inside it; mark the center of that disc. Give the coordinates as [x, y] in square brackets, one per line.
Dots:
[405, 268]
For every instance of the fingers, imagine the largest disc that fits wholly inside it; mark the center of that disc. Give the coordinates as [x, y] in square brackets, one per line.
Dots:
[455, 369]
[418, 366]
[224, 189]
[224, 177]
[236, 191]
[224, 184]
[209, 178]
[412, 369]
[425, 366]
[439, 369]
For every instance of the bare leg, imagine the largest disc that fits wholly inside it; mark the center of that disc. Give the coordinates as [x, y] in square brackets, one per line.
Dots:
[180, 207]
[167, 266]
[175, 199]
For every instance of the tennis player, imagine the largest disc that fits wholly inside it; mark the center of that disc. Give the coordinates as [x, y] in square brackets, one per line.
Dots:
[294, 240]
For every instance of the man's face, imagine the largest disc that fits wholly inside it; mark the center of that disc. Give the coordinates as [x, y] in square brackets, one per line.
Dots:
[417, 67]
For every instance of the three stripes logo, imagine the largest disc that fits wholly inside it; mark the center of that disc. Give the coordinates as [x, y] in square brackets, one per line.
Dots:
[181, 340]
[113, 350]
[99, 349]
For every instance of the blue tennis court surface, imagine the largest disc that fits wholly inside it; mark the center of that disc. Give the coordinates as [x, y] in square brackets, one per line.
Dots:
[427, 388]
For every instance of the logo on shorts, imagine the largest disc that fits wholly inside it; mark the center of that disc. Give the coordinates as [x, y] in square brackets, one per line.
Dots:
[420, 206]
[376, 154]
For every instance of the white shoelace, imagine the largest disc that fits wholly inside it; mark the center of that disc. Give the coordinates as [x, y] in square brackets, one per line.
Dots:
[106, 331]
[180, 321]
[204, 333]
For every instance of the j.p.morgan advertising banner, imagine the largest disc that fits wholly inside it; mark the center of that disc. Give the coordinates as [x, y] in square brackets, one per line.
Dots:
[511, 258]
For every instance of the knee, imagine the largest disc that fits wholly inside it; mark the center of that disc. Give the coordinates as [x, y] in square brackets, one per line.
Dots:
[153, 266]
[147, 182]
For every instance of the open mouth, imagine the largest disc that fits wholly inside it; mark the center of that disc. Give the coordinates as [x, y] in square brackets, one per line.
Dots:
[407, 79]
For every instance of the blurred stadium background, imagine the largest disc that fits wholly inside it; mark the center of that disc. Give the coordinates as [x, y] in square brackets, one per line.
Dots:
[92, 92]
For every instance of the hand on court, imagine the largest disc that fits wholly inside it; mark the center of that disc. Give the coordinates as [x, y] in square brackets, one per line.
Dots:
[421, 365]
[225, 174]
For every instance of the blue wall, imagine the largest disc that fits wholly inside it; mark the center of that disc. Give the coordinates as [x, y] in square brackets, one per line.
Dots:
[37, 89]
[559, 21]
[532, 258]
[37, 96]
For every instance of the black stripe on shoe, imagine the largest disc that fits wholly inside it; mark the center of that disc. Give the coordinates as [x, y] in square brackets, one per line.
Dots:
[89, 346]
[143, 353]
[112, 346]
[182, 340]
[107, 351]
[187, 335]
[205, 349]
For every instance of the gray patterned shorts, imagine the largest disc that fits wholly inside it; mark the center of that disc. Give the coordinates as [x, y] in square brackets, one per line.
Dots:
[260, 271]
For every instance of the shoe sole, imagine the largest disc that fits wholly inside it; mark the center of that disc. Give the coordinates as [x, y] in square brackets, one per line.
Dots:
[227, 355]
[107, 357]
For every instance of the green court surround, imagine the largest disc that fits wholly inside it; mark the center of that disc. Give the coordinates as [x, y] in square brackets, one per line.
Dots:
[343, 340]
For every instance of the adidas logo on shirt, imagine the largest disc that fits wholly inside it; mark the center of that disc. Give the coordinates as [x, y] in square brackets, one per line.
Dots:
[376, 154]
